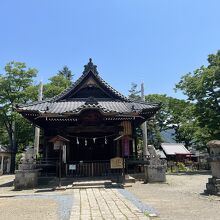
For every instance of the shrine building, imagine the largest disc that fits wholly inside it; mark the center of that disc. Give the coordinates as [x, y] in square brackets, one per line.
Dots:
[96, 122]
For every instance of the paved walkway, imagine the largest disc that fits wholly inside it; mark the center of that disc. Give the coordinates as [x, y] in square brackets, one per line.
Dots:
[73, 204]
[103, 203]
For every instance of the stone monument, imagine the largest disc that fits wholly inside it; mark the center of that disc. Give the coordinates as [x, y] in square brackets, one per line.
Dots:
[155, 171]
[26, 176]
[213, 185]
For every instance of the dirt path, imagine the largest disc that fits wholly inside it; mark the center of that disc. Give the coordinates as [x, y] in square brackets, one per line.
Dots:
[180, 198]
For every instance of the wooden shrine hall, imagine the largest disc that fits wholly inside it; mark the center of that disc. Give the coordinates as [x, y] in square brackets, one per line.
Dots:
[98, 123]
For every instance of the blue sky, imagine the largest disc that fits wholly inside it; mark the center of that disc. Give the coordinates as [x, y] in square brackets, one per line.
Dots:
[154, 41]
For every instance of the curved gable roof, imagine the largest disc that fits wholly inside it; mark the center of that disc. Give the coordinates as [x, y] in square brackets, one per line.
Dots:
[90, 70]
[68, 103]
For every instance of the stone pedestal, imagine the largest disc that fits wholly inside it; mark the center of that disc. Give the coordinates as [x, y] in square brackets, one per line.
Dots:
[155, 171]
[213, 185]
[26, 179]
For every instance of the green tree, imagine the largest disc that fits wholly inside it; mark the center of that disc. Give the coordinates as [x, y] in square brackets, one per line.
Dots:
[14, 84]
[56, 85]
[3, 133]
[134, 93]
[175, 114]
[24, 133]
[203, 89]
[66, 72]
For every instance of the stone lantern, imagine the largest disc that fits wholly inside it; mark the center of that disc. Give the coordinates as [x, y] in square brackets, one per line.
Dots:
[155, 170]
[27, 175]
[213, 185]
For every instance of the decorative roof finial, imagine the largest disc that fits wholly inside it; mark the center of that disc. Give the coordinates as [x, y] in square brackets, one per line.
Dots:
[90, 67]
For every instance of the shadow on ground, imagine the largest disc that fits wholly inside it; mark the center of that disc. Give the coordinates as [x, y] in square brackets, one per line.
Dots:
[197, 172]
[7, 184]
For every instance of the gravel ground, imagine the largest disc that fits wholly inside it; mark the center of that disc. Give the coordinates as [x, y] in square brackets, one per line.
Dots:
[26, 209]
[181, 198]
[145, 208]
[27, 204]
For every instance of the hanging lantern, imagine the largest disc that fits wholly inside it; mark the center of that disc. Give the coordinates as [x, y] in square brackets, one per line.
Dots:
[85, 142]
[77, 140]
[106, 140]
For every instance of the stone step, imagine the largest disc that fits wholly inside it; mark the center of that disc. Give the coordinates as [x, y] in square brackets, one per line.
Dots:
[129, 179]
[87, 187]
[92, 184]
[214, 180]
[212, 188]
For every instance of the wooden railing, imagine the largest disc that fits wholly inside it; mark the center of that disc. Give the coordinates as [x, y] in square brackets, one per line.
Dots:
[99, 168]
[92, 169]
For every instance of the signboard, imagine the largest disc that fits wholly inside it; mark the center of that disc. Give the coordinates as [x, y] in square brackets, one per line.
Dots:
[72, 166]
[117, 163]
[56, 145]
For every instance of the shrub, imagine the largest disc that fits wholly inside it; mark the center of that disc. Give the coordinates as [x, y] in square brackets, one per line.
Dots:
[181, 166]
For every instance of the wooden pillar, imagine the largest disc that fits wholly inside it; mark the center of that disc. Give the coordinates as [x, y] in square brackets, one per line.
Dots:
[136, 150]
[134, 139]
[46, 148]
[133, 147]
[67, 153]
[118, 148]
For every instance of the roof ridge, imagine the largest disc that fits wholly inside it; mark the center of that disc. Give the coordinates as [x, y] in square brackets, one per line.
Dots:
[33, 103]
[145, 102]
[89, 68]
[112, 89]
[74, 84]
[91, 106]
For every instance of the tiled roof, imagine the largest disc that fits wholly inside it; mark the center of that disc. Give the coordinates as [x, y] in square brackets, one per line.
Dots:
[77, 106]
[4, 149]
[64, 103]
[161, 154]
[89, 68]
[174, 148]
